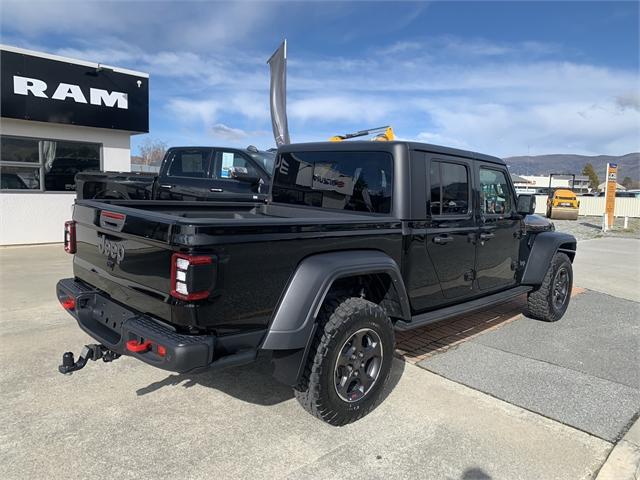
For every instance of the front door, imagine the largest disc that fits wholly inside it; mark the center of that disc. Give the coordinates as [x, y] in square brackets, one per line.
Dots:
[224, 161]
[451, 230]
[500, 229]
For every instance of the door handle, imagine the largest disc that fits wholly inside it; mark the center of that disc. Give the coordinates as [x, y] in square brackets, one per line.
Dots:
[217, 190]
[442, 239]
[168, 187]
[486, 236]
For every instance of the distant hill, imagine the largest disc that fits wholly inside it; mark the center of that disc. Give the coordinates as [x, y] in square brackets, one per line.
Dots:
[628, 165]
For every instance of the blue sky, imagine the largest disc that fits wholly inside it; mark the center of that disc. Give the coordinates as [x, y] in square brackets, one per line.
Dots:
[504, 78]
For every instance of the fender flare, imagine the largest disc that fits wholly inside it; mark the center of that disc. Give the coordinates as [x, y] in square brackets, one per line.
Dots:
[294, 318]
[545, 245]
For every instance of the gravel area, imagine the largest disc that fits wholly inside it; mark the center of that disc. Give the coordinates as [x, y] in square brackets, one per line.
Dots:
[586, 228]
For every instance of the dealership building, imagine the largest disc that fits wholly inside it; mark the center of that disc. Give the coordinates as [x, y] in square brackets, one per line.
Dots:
[60, 116]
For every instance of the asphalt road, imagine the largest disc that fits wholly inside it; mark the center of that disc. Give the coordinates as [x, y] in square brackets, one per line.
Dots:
[583, 370]
[128, 420]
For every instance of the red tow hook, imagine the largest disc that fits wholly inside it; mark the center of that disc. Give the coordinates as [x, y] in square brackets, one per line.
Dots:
[135, 346]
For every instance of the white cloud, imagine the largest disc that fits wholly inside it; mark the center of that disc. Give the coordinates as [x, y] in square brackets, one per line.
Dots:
[251, 104]
[222, 131]
[628, 100]
[473, 93]
[196, 26]
[191, 111]
[352, 108]
[562, 127]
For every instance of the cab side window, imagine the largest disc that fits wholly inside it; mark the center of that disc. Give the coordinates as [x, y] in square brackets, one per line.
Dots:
[189, 163]
[226, 162]
[449, 188]
[495, 194]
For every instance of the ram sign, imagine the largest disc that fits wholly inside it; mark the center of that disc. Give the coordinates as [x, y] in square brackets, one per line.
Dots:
[52, 90]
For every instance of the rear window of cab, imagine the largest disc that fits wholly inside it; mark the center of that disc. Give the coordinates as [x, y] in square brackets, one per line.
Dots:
[357, 181]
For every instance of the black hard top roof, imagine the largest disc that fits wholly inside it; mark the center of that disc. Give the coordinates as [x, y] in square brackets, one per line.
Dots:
[353, 145]
[211, 147]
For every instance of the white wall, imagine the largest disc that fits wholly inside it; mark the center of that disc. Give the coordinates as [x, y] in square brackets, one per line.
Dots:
[39, 217]
[594, 206]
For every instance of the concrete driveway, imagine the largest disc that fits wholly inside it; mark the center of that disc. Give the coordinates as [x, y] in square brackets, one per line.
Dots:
[128, 420]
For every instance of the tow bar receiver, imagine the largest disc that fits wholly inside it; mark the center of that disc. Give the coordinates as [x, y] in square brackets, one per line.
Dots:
[89, 352]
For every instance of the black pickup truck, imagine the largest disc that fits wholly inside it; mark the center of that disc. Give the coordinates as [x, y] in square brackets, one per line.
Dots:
[356, 240]
[188, 173]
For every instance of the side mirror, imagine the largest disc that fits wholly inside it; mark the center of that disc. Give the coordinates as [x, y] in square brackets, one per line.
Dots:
[526, 204]
[242, 174]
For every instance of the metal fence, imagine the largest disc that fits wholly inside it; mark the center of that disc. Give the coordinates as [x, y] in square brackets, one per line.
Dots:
[594, 206]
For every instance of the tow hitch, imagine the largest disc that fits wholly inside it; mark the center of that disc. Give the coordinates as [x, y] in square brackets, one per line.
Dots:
[89, 352]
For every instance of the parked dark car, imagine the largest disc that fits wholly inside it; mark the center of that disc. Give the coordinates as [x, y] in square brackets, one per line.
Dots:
[356, 240]
[188, 173]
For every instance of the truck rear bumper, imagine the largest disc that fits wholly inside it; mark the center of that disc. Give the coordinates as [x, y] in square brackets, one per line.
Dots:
[130, 333]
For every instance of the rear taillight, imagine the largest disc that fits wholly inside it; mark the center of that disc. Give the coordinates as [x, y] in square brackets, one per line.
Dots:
[192, 276]
[68, 303]
[70, 236]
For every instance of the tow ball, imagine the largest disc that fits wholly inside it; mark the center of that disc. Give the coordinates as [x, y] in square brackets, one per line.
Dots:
[89, 352]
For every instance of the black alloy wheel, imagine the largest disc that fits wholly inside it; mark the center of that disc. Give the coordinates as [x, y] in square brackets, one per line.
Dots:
[358, 365]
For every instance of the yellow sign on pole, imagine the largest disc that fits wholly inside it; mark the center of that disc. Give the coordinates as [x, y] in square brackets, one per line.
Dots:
[610, 194]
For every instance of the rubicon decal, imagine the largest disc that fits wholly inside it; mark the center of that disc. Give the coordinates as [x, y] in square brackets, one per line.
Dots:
[110, 248]
[97, 96]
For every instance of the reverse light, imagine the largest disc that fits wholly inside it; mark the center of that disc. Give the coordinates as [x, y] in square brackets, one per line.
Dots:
[70, 236]
[192, 276]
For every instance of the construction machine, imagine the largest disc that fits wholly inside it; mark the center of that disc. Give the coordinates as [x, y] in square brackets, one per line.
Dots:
[562, 203]
[382, 134]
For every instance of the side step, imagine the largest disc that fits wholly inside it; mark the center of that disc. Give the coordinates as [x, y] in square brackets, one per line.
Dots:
[461, 309]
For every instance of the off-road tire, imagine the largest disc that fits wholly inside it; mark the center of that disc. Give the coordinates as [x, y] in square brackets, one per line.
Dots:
[338, 320]
[540, 302]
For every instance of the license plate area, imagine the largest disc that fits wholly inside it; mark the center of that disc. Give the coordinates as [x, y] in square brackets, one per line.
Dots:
[102, 317]
[110, 314]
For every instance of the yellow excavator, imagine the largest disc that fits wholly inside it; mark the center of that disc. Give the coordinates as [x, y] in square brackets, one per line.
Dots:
[382, 134]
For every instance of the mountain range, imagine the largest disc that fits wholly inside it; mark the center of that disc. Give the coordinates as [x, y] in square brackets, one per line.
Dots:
[628, 165]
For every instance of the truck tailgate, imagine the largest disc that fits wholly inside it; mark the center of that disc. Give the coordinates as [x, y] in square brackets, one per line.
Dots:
[126, 256]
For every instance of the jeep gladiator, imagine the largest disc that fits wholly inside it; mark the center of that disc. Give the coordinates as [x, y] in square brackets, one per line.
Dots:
[355, 241]
[188, 173]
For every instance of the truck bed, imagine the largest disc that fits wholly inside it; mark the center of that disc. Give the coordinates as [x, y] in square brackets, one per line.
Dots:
[203, 213]
[257, 248]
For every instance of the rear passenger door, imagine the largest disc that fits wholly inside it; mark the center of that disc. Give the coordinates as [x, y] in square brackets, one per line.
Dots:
[185, 175]
[451, 227]
[500, 228]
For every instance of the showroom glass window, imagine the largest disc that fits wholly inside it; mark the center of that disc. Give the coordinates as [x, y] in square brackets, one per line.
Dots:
[32, 164]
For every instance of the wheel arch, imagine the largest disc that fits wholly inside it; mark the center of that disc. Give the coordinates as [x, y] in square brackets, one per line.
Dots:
[352, 272]
[545, 245]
